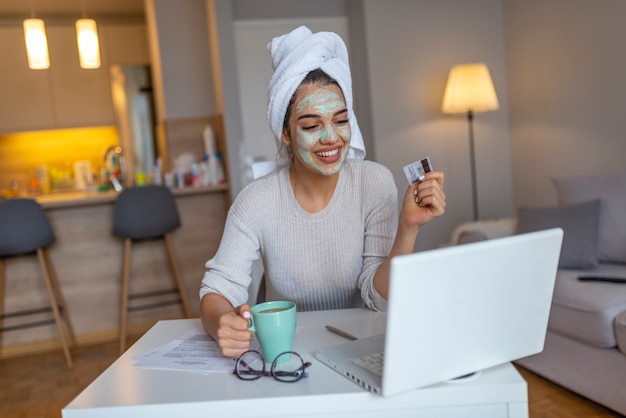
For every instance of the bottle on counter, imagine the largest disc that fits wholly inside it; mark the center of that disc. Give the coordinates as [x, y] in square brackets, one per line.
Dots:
[205, 172]
[170, 179]
[195, 174]
[156, 176]
[219, 169]
[208, 138]
[212, 157]
[211, 163]
[180, 178]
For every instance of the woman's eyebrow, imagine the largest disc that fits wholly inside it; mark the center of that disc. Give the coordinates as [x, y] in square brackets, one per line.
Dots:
[313, 115]
[308, 115]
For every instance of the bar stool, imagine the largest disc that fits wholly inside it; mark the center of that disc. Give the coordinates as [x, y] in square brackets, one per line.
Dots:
[146, 213]
[25, 230]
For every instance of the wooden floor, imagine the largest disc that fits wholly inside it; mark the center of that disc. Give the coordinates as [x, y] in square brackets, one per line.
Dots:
[39, 386]
[548, 400]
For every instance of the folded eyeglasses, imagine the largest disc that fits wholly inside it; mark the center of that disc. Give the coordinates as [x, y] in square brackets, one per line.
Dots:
[287, 367]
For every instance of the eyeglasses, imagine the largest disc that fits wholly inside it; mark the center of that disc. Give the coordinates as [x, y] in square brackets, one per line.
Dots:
[287, 367]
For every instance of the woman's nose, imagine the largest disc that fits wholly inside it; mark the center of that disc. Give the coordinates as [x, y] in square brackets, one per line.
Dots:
[329, 135]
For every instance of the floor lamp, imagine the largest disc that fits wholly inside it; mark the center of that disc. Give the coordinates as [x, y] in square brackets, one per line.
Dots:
[470, 90]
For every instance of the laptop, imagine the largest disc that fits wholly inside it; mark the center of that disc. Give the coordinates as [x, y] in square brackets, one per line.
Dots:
[455, 311]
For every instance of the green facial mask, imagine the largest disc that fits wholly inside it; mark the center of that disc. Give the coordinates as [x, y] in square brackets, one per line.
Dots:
[327, 131]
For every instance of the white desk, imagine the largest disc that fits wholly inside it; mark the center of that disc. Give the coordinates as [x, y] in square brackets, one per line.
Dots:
[123, 391]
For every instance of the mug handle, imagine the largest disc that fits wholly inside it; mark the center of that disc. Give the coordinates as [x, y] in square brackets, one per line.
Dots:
[251, 325]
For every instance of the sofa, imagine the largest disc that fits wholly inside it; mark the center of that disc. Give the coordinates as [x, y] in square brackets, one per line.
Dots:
[585, 346]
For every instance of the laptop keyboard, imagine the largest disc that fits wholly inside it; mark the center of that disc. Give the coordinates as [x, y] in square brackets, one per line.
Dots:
[372, 362]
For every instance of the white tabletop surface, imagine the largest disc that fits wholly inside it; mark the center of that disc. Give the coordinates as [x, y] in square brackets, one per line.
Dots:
[122, 390]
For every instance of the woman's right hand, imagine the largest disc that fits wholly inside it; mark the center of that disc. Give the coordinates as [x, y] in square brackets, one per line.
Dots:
[227, 326]
[232, 334]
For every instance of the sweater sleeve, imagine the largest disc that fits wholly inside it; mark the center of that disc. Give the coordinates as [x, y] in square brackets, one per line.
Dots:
[229, 272]
[381, 219]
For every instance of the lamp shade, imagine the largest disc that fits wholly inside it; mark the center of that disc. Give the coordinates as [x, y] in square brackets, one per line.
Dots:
[469, 88]
[88, 45]
[36, 44]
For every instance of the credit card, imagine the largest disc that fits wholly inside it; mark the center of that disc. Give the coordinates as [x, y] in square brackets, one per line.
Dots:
[416, 171]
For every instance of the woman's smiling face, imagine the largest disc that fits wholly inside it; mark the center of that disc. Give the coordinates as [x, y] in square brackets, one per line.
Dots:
[319, 128]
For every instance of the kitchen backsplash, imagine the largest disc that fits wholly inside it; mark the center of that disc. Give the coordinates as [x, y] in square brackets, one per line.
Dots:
[57, 150]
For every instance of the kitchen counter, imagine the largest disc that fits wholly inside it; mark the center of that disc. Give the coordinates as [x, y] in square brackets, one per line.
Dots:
[88, 262]
[78, 198]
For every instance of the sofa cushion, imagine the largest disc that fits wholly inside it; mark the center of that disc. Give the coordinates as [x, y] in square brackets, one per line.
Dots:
[620, 332]
[580, 230]
[611, 189]
[470, 237]
[586, 311]
[482, 230]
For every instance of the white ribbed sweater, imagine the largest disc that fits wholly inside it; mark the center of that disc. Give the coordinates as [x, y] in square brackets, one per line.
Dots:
[324, 260]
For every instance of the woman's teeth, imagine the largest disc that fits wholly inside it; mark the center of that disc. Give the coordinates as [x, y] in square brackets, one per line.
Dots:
[327, 153]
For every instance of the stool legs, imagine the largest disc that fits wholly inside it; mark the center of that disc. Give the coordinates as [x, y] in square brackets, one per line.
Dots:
[125, 290]
[178, 278]
[57, 303]
[55, 306]
[61, 301]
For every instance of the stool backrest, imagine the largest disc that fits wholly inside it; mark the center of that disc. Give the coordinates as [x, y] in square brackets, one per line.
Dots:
[24, 227]
[145, 212]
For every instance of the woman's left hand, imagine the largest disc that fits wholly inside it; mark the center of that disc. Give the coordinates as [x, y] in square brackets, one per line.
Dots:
[424, 201]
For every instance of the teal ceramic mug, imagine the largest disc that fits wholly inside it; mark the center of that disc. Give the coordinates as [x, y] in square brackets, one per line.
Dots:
[274, 324]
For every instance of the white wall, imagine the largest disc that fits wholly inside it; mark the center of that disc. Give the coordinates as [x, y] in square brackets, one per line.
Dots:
[180, 58]
[567, 84]
[411, 47]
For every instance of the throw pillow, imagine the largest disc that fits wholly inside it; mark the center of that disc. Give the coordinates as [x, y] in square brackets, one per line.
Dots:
[611, 189]
[580, 230]
[470, 237]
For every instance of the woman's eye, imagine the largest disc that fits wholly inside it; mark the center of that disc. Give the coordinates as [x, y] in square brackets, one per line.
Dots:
[342, 122]
[309, 127]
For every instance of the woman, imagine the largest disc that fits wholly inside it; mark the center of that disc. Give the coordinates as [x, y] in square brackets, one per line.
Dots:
[324, 221]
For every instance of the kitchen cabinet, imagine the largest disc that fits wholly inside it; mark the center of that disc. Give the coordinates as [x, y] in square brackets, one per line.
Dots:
[25, 98]
[80, 97]
[65, 95]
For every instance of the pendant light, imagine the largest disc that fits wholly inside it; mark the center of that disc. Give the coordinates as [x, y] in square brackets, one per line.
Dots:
[88, 45]
[36, 44]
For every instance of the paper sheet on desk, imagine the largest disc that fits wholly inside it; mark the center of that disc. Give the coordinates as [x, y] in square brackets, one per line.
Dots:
[193, 352]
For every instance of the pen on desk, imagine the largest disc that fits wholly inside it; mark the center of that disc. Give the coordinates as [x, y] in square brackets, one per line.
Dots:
[341, 333]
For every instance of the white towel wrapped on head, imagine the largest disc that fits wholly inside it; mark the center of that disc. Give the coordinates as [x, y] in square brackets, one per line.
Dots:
[294, 55]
